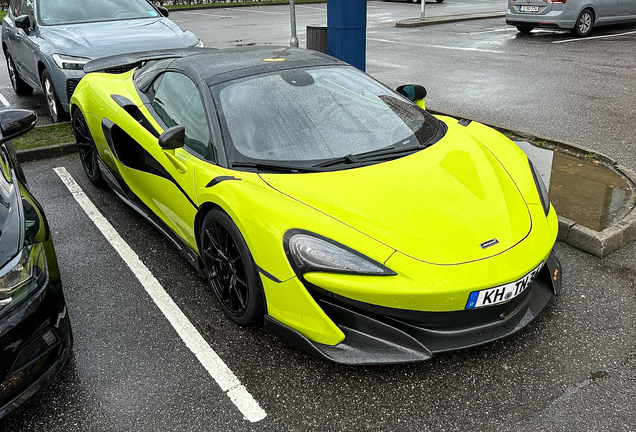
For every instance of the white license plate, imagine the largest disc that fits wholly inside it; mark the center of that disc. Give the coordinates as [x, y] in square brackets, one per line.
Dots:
[500, 294]
[528, 8]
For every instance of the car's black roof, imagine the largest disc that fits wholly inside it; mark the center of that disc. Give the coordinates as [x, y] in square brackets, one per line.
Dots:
[215, 66]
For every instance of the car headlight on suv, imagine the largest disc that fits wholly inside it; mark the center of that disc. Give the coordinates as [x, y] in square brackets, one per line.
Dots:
[70, 62]
[22, 275]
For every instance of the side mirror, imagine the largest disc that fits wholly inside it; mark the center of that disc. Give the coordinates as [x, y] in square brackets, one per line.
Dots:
[412, 91]
[172, 138]
[163, 10]
[23, 22]
[15, 122]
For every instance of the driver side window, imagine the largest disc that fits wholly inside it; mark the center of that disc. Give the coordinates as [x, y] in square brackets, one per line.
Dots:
[177, 102]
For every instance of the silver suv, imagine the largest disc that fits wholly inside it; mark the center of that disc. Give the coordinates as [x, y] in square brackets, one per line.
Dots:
[47, 42]
[578, 16]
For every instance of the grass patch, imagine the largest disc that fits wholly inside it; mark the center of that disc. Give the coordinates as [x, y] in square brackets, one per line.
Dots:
[42, 136]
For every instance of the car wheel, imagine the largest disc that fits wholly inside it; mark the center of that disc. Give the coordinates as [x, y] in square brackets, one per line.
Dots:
[56, 111]
[230, 269]
[525, 29]
[584, 23]
[87, 149]
[19, 87]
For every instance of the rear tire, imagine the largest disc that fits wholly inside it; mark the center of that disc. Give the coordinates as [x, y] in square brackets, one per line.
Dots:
[525, 29]
[20, 87]
[56, 110]
[584, 23]
[230, 269]
[87, 149]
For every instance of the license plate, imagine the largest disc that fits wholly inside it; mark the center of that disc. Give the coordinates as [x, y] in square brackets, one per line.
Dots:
[500, 294]
[528, 8]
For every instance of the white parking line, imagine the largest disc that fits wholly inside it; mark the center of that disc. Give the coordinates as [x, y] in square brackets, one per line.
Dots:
[4, 100]
[217, 369]
[256, 11]
[207, 14]
[437, 46]
[593, 37]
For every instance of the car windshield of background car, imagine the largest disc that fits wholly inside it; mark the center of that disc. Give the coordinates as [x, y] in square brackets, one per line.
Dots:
[317, 114]
[55, 12]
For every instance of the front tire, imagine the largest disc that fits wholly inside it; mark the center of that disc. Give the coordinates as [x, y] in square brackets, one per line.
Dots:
[20, 87]
[230, 269]
[584, 23]
[56, 111]
[87, 149]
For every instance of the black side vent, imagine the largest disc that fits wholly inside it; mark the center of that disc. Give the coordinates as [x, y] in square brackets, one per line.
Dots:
[70, 87]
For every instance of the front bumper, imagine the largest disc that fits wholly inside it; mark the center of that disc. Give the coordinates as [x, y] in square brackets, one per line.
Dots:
[381, 335]
[35, 341]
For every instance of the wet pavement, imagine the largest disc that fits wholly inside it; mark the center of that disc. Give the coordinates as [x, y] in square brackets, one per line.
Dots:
[574, 368]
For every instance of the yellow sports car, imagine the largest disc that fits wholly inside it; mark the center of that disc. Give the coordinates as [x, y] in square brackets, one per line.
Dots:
[351, 221]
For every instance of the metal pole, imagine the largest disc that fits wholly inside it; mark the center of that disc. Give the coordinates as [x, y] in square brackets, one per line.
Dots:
[423, 2]
[294, 39]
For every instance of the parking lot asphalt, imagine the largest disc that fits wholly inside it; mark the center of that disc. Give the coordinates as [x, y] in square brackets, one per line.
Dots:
[573, 369]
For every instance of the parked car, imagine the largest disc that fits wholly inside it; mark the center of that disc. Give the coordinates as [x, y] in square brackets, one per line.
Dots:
[578, 16]
[344, 216]
[47, 42]
[35, 332]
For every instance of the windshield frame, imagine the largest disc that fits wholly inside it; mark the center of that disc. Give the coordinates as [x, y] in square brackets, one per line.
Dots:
[243, 161]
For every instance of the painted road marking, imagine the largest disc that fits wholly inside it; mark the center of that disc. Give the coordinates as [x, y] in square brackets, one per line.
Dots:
[215, 366]
[206, 14]
[256, 11]
[4, 100]
[593, 37]
[437, 46]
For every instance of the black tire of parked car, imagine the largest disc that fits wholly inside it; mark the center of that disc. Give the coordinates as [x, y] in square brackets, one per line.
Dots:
[56, 111]
[584, 23]
[87, 149]
[230, 269]
[19, 87]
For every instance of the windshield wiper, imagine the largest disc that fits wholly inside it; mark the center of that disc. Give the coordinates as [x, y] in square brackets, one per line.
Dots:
[370, 156]
[276, 167]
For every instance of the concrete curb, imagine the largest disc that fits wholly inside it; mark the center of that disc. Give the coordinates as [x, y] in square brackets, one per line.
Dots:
[47, 152]
[417, 22]
[597, 243]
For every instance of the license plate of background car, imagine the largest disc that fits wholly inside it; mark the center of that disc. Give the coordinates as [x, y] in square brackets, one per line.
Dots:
[500, 294]
[528, 8]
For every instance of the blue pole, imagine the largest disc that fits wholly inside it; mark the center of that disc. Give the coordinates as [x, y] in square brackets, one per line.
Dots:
[347, 25]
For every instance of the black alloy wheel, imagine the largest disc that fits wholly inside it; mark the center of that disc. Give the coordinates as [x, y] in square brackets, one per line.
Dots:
[230, 269]
[584, 23]
[20, 87]
[56, 110]
[86, 149]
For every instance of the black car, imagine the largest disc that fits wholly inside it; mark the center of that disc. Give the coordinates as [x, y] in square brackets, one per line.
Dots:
[35, 332]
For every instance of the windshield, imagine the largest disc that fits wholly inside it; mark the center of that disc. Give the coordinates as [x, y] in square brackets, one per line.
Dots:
[317, 114]
[52, 12]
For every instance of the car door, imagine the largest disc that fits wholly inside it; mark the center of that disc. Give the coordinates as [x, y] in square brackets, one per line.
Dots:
[605, 10]
[166, 181]
[25, 46]
[626, 10]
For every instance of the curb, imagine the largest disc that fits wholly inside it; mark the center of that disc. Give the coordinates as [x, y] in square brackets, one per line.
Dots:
[417, 22]
[47, 152]
[597, 243]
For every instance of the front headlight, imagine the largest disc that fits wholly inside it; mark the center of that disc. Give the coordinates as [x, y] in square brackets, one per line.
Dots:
[22, 275]
[70, 62]
[309, 252]
[543, 191]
